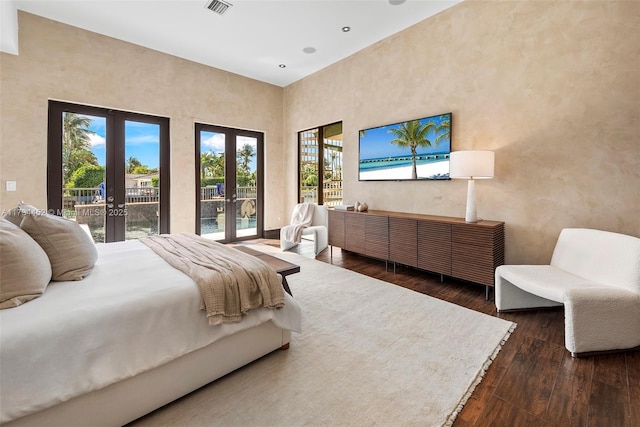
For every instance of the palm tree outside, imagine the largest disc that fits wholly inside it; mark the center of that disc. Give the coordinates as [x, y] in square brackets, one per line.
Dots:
[207, 164]
[211, 165]
[244, 157]
[76, 145]
[132, 164]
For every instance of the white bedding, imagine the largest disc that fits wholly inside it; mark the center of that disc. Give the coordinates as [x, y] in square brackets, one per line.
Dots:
[133, 313]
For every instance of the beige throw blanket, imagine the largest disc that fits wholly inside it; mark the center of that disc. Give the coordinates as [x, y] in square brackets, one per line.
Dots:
[231, 282]
[300, 219]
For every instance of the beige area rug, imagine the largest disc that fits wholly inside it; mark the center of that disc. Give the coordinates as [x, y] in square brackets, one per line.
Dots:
[371, 353]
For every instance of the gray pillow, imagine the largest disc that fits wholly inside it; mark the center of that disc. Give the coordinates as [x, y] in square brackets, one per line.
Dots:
[70, 250]
[25, 270]
[16, 214]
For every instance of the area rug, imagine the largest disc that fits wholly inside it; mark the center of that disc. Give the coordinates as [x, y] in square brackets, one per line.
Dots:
[371, 353]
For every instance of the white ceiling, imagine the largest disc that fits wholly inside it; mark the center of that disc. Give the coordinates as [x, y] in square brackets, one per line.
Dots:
[252, 38]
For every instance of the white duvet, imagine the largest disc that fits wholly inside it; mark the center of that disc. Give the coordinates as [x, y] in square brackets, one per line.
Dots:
[133, 313]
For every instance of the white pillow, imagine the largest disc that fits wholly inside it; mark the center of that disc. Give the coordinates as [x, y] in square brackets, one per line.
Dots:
[71, 252]
[25, 270]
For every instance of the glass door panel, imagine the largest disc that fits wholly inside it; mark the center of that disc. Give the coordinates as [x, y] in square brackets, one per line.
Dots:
[309, 150]
[84, 171]
[141, 207]
[320, 165]
[332, 159]
[212, 185]
[246, 186]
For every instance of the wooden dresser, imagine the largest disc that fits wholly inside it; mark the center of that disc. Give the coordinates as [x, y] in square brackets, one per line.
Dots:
[444, 245]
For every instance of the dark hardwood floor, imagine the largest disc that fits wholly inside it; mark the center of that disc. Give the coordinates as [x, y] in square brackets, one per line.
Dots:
[533, 381]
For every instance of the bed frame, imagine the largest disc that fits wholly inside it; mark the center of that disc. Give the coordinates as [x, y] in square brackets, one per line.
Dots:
[152, 389]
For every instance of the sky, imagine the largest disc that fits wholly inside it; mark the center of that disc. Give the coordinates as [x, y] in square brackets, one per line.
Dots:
[212, 141]
[376, 142]
[142, 141]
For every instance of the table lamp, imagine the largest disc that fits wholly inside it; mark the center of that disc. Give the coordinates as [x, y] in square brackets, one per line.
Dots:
[472, 165]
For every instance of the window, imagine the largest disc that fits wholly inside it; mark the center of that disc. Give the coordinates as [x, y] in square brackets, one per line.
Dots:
[320, 149]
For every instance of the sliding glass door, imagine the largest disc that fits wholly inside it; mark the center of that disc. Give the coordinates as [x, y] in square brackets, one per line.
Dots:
[228, 183]
[109, 170]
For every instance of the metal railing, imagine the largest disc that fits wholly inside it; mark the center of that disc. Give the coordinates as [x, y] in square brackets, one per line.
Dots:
[142, 194]
[217, 192]
[85, 196]
[331, 193]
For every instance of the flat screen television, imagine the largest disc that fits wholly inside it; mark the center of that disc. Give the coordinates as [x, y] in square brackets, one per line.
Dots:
[412, 150]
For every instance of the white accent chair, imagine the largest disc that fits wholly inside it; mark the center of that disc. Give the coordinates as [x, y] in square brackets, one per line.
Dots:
[318, 231]
[596, 276]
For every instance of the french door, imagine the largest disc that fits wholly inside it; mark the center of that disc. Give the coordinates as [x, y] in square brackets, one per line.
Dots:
[108, 170]
[229, 183]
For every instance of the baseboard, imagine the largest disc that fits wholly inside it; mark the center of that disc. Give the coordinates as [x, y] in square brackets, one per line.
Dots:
[515, 310]
[604, 352]
[271, 234]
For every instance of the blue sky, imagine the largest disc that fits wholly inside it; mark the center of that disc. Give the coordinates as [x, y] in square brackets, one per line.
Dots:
[142, 141]
[376, 142]
[213, 141]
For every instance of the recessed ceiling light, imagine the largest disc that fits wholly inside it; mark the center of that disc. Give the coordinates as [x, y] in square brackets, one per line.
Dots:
[396, 2]
[309, 49]
[282, 66]
[346, 29]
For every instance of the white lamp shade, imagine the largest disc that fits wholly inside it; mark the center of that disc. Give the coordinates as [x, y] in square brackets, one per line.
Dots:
[473, 164]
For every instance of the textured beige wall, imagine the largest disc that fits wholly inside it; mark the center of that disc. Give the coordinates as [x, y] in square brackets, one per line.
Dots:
[60, 62]
[552, 87]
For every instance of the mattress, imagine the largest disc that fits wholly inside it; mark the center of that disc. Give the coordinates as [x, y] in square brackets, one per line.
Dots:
[133, 313]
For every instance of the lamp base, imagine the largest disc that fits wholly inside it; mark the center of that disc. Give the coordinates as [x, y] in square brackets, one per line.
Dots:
[470, 215]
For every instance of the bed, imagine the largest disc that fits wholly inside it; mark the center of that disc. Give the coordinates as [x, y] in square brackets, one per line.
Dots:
[128, 338]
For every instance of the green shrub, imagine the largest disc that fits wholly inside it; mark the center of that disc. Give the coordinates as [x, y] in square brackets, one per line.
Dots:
[211, 181]
[87, 176]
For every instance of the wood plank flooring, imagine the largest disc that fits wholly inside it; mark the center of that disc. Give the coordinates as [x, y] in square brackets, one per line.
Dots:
[534, 381]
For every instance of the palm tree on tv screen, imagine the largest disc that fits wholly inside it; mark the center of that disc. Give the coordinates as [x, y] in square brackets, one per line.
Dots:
[445, 127]
[413, 134]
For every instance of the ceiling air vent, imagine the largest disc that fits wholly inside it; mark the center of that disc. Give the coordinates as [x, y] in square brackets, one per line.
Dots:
[218, 6]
